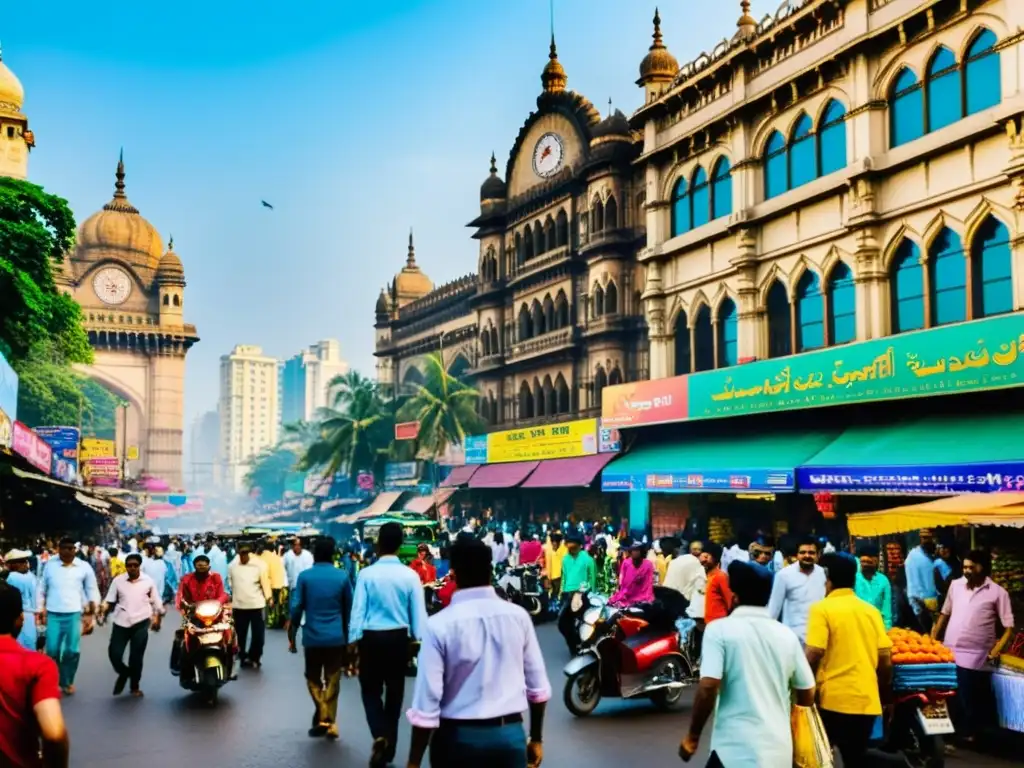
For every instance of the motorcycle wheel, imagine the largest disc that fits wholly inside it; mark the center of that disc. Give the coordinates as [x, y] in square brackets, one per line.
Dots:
[582, 693]
[924, 751]
[669, 699]
[533, 607]
[211, 686]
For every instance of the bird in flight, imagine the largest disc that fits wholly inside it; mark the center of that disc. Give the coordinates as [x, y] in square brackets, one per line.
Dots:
[267, 205]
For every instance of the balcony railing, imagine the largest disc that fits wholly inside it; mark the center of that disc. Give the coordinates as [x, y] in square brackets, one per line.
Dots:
[541, 344]
[489, 362]
[538, 263]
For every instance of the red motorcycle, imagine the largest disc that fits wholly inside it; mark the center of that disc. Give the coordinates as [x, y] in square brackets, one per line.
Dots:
[632, 653]
[206, 657]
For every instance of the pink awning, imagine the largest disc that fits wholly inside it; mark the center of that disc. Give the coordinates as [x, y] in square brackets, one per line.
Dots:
[423, 504]
[460, 476]
[502, 475]
[568, 473]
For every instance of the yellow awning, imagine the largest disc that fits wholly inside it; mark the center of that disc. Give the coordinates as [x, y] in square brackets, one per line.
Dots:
[1005, 509]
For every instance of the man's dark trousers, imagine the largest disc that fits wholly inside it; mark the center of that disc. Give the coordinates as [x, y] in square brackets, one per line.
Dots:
[135, 638]
[383, 659]
[467, 745]
[247, 619]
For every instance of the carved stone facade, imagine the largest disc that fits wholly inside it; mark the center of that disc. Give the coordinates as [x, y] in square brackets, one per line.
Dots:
[16, 140]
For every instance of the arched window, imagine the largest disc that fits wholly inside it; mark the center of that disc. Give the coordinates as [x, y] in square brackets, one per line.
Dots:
[528, 243]
[176, 300]
[721, 188]
[832, 138]
[728, 334]
[538, 398]
[550, 401]
[549, 313]
[906, 108]
[991, 267]
[494, 341]
[615, 377]
[600, 382]
[525, 401]
[611, 299]
[947, 267]
[520, 251]
[492, 409]
[803, 160]
[537, 316]
[562, 393]
[982, 76]
[810, 314]
[703, 341]
[945, 100]
[611, 214]
[598, 300]
[907, 289]
[538, 239]
[682, 331]
[525, 324]
[596, 216]
[485, 344]
[549, 234]
[842, 306]
[776, 171]
[167, 300]
[700, 198]
[780, 327]
[561, 310]
[561, 228]
[680, 208]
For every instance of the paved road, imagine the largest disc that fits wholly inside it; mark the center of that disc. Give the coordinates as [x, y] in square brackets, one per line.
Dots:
[261, 720]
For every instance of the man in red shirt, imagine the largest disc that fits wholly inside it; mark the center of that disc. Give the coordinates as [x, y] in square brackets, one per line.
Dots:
[423, 566]
[718, 599]
[204, 584]
[29, 697]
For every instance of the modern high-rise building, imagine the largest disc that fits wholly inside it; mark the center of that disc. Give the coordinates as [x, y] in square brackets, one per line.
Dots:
[306, 378]
[248, 410]
[201, 471]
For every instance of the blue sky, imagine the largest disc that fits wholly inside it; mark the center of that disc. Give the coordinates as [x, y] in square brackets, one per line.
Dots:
[356, 120]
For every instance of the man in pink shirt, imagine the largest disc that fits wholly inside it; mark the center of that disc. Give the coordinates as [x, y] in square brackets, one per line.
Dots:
[977, 624]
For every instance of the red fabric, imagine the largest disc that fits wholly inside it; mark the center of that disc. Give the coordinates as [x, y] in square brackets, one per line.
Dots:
[530, 552]
[192, 590]
[26, 678]
[426, 571]
[717, 596]
[444, 594]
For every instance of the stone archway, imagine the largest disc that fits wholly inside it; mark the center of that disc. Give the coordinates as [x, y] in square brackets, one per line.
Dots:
[137, 414]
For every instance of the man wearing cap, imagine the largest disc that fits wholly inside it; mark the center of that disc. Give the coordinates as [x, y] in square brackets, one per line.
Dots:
[23, 580]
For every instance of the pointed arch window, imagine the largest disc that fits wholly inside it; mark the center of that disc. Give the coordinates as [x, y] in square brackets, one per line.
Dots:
[728, 334]
[525, 324]
[538, 398]
[700, 198]
[527, 243]
[485, 344]
[494, 341]
[611, 213]
[537, 316]
[525, 401]
[721, 188]
[561, 310]
[611, 299]
[550, 400]
[906, 108]
[992, 270]
[842, 306]
[562, 395]
[561, 228]
[615, 377]
[780, 327]
[907, 289]
[549, 313]
[947, 266]
[982, 75]
[549, 235]
[682, 331]
[945, 103]
[703, 341]
[803, 160]
[538, 239]
[680, 208]
[598, 301]
[810, 313]
[600, 382]
[832, 138]
[597, 216]
[776, 170]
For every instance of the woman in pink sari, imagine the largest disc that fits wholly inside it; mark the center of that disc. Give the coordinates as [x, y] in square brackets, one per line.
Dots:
[636, 579]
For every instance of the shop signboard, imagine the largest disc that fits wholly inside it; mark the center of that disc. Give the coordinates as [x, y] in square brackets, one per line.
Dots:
[94, 448]
[569, 439]
[32, 447]
[609, 439]
[698, 482]
[967, 357]
[64, 442]
[101, 468]
[407, 430]
[401, 474]
[933, 480]
[642, 403]
[8, 389]
[475, 449]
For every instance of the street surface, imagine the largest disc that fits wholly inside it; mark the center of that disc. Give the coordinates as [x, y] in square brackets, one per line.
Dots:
[261, 719]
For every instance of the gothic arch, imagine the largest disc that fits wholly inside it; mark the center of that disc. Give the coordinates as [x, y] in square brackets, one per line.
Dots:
[772, 274]
[893, 244]
[721, 295]
[941, 221]
[803, 266]
[699, 300]
[981, 212]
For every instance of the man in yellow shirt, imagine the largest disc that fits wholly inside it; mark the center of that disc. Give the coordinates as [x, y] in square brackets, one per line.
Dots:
[850, 653]
[554, 553]
[278, 614]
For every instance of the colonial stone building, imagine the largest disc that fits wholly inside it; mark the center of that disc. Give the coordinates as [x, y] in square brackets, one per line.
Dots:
[552, 314]
[839, 171]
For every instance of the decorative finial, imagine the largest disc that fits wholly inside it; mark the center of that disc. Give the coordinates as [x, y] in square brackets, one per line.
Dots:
[410, 260]
[494, 163]
[1, 51]
[170, 243]
[119, 184]
[609, 106]
[553, 77]
[657, 31]
[746, 20]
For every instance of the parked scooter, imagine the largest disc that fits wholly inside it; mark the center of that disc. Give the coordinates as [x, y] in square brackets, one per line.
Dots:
[631, 653]
[920, 720]
[206, 654]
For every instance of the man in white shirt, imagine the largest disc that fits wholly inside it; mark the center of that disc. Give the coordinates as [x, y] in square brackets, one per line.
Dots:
[296, 560]
[249, 578]
[135, 599]
[480, 667]
[686, 575]
[797, 587]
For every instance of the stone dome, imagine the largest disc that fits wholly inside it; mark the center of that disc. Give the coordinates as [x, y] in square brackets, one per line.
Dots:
[616, 124]
[12, 94]
[659, 65]
[382, 303]
[411, 283]
[553, 78]
[120, 233]
[493, 187]
[170, 271]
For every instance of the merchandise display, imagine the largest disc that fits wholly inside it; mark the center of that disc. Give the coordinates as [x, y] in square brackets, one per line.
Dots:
[1008, 570]
[909, 647]
[720, 530]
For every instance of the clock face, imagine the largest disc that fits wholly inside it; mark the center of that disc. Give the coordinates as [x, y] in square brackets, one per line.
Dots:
[548, 155]
[112, 286]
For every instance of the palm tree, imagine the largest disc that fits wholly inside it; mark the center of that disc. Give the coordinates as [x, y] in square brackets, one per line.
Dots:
[300, 435]
[347, 387]
[445, 409]
[269, 472]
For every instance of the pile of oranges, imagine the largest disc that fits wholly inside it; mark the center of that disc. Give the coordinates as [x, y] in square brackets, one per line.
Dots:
[909, 647]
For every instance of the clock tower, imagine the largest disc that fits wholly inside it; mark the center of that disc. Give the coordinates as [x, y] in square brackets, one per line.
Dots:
[132, 293]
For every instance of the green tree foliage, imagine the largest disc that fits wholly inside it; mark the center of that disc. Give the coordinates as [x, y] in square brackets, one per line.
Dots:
[269, 472]
[445, 409]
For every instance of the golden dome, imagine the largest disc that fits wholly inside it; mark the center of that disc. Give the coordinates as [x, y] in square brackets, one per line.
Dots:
[119, 232]
[553, 77]
[658, 65]
[411, 283]
[12, 94]
[170, 271]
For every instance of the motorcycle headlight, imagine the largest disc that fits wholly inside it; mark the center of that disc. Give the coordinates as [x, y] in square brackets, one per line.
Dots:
[592, 615]
[586, 632]
[208, 609]
[576, 603]
[597, 601]
[211, 638]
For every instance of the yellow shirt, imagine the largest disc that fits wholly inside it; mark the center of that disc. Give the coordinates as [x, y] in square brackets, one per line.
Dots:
[278, 579]
[851, 633]
[661, 566]
[553, 561]
[116, 567]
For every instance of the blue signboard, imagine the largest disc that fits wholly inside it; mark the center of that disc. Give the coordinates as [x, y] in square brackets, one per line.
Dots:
[8, 389]
[475, 449]
[936, 479]
[742, 481]
[64, 442]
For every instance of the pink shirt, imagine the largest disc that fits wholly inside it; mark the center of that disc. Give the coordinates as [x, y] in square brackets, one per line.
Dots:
[636, 583]
[530, 552]
[134, 601]
[973, 616]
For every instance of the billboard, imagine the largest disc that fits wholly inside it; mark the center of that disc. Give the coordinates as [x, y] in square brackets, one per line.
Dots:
[64, 442]
[32, 447]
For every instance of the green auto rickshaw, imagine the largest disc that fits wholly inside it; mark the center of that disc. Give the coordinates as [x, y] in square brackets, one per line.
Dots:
[418, 529]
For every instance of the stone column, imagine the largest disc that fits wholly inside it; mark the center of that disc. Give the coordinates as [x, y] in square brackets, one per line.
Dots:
[873, 318]
[653, 300]
[166, 415]
[750, 313]
[1015, 173]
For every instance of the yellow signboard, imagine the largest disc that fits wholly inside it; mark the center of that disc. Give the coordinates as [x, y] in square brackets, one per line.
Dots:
[550, 441]
[133, 453]
[92, 448]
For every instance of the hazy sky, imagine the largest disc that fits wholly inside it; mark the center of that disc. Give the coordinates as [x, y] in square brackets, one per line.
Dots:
[356, 120]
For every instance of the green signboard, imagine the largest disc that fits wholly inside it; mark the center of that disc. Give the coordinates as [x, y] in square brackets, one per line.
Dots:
[967, 357]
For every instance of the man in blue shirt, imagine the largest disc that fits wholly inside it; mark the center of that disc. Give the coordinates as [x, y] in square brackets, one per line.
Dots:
[388, 608]
[323, 594]
[921, 590]
[23, 580]
[67, 587]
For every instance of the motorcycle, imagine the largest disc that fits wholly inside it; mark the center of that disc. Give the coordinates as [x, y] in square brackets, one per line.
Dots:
[430, 596]
[631, 653]
[206, 655]
[920, 719]
[522, 586]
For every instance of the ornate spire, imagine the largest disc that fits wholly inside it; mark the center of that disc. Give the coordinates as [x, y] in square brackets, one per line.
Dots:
[747, 23]
[170, 243]
[410, 260]
[494, 163]
[554, 77]
[659, 66]
[120, 200]
[657, 31]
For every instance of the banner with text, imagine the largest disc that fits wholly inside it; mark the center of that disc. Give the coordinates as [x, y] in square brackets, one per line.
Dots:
[32, 447]
[64, 442]
[644, 402]
[550, 441]
[94, 448]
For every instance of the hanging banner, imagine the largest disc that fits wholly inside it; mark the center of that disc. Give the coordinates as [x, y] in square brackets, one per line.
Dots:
[641, 403]
[94, 448]
[936, 480]
[32, 447]
[64, 442]
[698, 482]
[551, 441]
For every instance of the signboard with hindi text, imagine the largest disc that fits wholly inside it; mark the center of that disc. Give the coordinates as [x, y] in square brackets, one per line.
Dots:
[548, 441]
[32, 447]
[94, 448]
